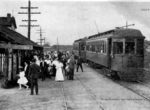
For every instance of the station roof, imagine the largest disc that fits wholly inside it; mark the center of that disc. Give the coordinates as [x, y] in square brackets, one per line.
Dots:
[14, 37]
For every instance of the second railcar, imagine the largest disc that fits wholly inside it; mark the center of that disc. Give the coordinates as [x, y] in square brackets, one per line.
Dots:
[79, 48]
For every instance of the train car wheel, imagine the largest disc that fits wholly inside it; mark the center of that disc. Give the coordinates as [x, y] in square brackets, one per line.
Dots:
[115, 75]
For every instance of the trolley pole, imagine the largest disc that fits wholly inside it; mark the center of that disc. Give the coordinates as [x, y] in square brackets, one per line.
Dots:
[126, 26]
[29, 18]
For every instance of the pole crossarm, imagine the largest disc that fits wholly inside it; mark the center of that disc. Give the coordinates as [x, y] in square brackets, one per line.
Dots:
[41, 39]
[35, 12]
[29, 13]
[24, 7]
[28, 7]
[22, 12]
[25, 20]
[30, 25]
[39, 32]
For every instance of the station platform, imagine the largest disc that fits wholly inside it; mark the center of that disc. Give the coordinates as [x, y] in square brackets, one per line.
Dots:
[88, 91]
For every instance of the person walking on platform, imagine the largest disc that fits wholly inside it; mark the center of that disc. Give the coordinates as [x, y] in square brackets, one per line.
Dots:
[44, 69]
[79, 63]
[71, 63]
[34, 71]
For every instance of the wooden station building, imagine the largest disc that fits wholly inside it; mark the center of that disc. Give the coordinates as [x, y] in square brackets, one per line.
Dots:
[14, 48]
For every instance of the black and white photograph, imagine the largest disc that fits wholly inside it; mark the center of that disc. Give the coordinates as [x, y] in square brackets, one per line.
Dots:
[74, 55]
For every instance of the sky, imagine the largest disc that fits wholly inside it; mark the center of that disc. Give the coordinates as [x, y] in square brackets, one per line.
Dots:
[70, 20]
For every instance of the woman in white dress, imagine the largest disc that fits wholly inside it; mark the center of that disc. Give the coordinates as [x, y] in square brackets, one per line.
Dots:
[59, 74]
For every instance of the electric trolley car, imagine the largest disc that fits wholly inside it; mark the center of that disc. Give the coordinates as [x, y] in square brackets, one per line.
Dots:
[121, 51]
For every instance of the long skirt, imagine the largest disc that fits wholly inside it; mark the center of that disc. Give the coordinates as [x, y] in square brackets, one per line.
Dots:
[59, 75]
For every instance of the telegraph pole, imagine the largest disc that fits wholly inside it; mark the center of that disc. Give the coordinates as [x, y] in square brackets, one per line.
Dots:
[41, 38]
[96, 27]
[57, 45]
[29, 18]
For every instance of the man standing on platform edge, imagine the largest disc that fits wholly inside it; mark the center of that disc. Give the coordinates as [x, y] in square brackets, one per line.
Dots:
[71, 67]
[34, 71]
[79, 63]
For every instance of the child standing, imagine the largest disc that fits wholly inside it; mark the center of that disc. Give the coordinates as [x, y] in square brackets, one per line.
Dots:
[22, 79]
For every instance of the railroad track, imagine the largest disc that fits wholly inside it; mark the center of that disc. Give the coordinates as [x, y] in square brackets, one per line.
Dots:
[135, 90]
[65, 105]
[65, 101]
[93, 96]
[143, 83]
[132, 89]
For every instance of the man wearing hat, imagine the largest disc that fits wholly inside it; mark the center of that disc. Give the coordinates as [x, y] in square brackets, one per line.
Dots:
[34, 71]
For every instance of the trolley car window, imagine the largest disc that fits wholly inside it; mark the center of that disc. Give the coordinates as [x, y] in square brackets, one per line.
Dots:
[82, 47]
[93, 48]
[117, 47]
[87, 47]
[129, 47]
[90, 48]
[140, 44]
[98, 48]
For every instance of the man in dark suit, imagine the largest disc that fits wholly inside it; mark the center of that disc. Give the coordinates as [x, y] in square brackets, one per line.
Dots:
[34, 71]
[71, 67]
[79, 63]
[44, 68]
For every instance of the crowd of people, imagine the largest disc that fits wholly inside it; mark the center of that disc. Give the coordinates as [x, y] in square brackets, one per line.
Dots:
[60, 65]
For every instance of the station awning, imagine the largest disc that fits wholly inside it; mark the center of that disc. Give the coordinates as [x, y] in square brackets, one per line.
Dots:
[12, 39]
[14, 46]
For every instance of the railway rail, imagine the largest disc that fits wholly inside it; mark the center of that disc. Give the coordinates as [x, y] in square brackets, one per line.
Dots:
[64, 97]
[129, 88]
[93, 96]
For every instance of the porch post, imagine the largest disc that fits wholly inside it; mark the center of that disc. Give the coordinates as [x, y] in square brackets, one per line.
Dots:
[9, 64]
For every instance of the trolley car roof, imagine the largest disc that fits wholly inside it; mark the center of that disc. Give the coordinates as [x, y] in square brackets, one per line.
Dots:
[118, 33]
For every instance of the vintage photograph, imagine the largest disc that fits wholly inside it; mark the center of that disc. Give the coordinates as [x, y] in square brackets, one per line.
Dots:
[74, 55]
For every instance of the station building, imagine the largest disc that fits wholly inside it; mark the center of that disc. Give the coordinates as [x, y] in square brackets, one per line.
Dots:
[14, 48]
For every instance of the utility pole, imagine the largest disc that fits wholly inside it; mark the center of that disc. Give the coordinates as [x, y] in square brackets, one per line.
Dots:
[29, 18]
[126, 24]
[57, 45]
[41, 38]
[96, 27]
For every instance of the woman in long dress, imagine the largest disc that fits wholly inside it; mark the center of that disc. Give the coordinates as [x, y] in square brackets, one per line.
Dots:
[59, 74]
